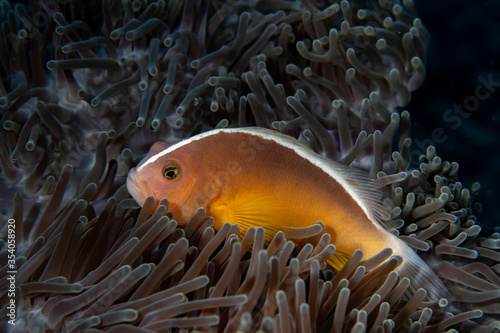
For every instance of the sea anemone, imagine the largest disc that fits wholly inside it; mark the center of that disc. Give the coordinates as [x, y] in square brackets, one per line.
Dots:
[88, 87]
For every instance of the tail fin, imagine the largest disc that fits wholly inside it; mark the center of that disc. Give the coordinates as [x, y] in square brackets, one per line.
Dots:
[420, 274]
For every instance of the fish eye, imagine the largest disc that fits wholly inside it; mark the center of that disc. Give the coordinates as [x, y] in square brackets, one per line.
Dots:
[171, 171]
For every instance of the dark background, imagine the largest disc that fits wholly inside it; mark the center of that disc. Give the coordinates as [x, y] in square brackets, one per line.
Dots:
[465, 44]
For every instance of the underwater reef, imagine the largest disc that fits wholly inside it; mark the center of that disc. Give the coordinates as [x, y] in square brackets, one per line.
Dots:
[87, 87]
[462, 53]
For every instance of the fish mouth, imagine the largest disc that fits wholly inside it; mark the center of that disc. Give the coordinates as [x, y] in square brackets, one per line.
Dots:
[137, 186]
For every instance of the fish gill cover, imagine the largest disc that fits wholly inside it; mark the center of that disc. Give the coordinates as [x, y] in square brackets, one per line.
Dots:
[87, 87]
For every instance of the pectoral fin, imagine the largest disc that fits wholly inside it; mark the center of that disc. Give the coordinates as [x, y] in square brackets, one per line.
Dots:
[265, 212]
[338, 260]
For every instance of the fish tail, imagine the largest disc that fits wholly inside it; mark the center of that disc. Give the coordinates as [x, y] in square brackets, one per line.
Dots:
[421, 275]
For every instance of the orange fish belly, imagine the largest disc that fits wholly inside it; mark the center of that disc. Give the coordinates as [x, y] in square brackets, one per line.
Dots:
[277, 188]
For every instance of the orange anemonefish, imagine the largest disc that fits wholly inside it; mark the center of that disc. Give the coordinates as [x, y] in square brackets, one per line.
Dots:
[256, 177]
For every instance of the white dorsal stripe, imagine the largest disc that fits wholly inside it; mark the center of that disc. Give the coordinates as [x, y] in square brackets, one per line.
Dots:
[183, 143]
[284, 141]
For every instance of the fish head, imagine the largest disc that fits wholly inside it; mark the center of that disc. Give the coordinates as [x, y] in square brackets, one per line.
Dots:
[171, 174]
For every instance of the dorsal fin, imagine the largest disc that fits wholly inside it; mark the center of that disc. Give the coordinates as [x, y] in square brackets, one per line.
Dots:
[371, 197]
[375, 200]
